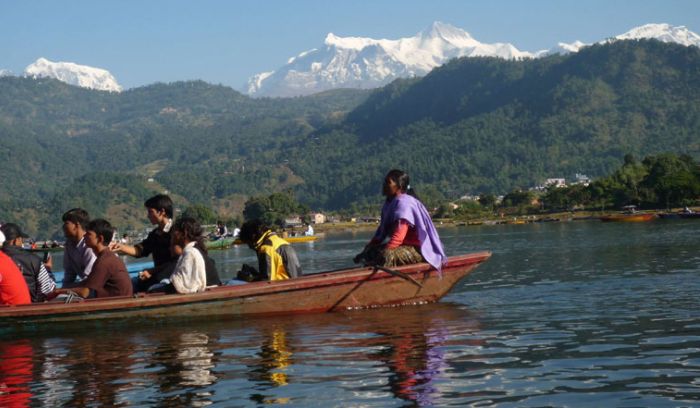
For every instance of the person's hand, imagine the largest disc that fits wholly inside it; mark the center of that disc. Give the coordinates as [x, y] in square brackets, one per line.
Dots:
[115, 246]
[359, 258]
[144, 275]
[48, 263]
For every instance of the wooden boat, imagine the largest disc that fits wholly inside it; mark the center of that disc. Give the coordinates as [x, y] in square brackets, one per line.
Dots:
[354, 288]
[48, 249]
[628, 217]
[221, 243]
[225, 243]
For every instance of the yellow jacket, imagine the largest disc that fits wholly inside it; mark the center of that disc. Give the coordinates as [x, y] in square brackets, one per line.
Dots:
[276, 257]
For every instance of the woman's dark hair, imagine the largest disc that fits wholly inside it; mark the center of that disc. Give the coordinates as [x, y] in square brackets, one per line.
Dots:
[192, 231]
[77, 216]
[160, 202]
[251, 231]
[101, 228]
[401, 179]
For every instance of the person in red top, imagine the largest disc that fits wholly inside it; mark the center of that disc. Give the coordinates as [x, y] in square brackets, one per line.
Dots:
[13, 288]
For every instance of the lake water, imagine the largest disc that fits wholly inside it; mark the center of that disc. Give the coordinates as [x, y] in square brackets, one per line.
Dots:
[564, 314]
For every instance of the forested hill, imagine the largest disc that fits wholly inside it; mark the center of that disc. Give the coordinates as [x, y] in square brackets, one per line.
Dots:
[203, 143]
[489, 125]
[474, 125]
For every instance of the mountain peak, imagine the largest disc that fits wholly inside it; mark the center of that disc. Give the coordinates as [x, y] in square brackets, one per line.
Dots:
[445, 31]
[662, 32]
[79, 75]
[360, 62]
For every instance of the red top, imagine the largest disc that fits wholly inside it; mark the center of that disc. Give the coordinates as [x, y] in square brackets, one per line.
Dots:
[403, 234]
[13, 287]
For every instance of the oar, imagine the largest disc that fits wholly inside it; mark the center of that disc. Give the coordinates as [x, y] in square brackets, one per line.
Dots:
[397, 273]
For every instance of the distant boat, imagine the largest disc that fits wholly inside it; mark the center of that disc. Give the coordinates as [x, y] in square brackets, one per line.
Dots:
[629, 214]
[685, 213]
[224, 243]
[47, 249]
[638, 217]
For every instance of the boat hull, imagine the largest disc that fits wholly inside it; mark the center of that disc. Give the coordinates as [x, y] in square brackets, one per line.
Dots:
[324, 292]
[628, 218]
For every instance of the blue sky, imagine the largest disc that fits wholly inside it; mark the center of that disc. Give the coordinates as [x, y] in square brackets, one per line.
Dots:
[146, 41]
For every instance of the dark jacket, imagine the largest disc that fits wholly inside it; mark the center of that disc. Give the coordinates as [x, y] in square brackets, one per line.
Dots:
[30, 265]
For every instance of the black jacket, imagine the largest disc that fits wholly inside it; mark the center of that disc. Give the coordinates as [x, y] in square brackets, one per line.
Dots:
[30, 265]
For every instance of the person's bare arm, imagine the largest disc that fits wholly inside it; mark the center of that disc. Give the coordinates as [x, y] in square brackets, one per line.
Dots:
[118, 248]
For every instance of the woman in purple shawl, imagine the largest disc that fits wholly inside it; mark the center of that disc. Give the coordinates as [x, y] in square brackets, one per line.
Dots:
[406, 234]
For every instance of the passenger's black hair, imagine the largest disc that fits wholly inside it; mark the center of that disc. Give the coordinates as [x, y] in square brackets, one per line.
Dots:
[77, 216]
[101, 228]
[192, 230]
[251, 231]
[160, 202]
[401, 179]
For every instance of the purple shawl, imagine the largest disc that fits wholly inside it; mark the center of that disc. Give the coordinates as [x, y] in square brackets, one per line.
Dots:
[413, 211]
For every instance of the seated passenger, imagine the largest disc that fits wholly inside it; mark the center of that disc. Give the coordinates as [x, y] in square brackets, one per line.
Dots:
[165, 272]
[77, 257]
[309, 231]
[277, 260]
[13, 288]
[109, 276]
[37, 274]
[189, 275]
[406, 234]
[159, 211]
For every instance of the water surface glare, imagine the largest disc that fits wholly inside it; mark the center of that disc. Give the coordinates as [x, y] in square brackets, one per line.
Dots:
[564, 314]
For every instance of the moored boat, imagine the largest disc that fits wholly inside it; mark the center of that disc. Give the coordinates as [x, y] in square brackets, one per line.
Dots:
[224, 243]
[630, 214]
[636, 217]
[353, 288]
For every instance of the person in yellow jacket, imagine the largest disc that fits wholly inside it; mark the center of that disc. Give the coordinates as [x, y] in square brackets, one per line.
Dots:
[277, 260]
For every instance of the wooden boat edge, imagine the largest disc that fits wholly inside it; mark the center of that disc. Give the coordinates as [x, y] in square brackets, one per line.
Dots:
[103, 308]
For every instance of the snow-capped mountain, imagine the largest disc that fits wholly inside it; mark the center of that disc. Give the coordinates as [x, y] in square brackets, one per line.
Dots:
[662, 32]
[74, 74]
[356, 62]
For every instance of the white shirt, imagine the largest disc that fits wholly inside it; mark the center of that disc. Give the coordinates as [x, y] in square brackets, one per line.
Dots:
[190, 275]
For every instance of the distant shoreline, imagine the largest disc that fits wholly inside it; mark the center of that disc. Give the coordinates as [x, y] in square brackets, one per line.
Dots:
[564, 216]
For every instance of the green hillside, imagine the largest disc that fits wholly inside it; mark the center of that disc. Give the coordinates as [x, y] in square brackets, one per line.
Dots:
[475, 125]
[488, 125]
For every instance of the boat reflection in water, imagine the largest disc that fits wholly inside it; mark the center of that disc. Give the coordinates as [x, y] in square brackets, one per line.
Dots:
[270, 369]
[182, 370]
[16, 373]
[393, 354]
[413, 347]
